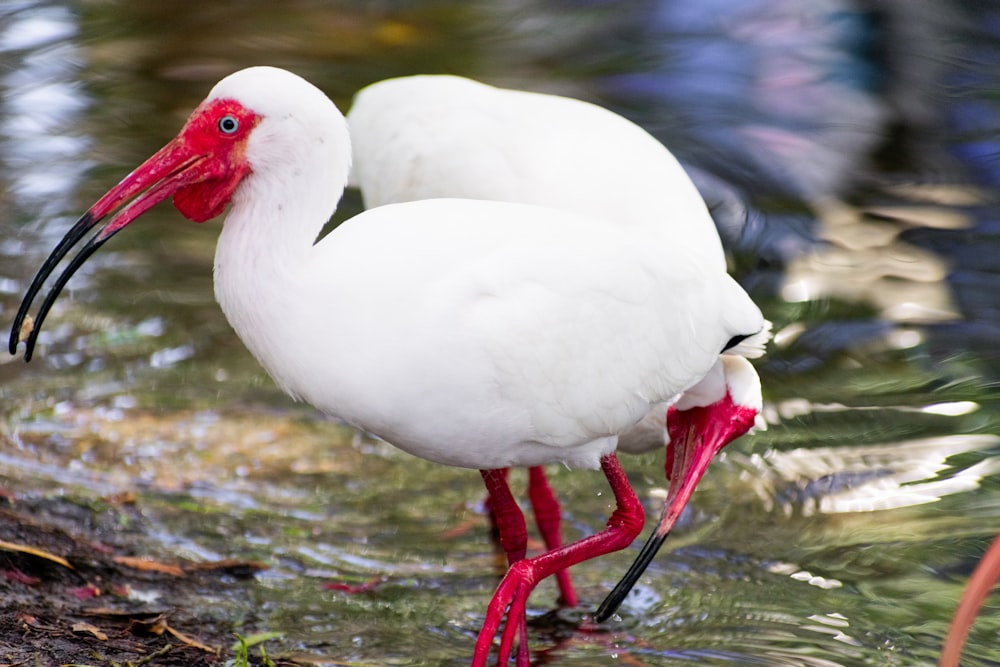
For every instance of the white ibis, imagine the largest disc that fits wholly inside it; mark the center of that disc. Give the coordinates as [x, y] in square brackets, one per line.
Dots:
[491, 334]
[426, 136]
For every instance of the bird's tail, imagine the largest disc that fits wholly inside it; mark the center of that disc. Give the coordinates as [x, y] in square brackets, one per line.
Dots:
[753, 346]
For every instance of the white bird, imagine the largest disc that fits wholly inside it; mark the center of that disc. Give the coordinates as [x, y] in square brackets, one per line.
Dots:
[471, 333]
[430, 136]
[427, 136]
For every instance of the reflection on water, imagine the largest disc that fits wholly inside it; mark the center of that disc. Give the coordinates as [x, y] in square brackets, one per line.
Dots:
[868, 478]
[41, 108]
[779, 94]
[849, 153]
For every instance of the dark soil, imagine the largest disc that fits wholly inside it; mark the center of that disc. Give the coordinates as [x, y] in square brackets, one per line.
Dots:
[75, 590]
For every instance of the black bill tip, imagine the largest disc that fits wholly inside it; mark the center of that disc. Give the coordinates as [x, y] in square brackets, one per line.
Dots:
[24, 327]
[628, 582]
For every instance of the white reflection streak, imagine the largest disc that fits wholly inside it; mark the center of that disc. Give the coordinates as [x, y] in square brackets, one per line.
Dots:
[793, 408]
[40, 102]
[835, 625]
[872, 478]
[864, 260]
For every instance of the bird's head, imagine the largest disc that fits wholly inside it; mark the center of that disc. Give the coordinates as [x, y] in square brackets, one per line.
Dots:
[724, 405]
[260, 119]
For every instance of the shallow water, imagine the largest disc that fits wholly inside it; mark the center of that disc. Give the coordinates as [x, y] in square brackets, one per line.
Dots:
[851, 159]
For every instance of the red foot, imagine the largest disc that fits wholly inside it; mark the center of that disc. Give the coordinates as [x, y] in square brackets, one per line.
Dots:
[511, 597]
[512, 533]
[548, 517]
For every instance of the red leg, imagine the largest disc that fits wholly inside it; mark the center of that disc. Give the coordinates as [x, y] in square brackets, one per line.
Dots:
[982, 581]
[548, 516]
[512, 533]
[491, 513]
[511, 596]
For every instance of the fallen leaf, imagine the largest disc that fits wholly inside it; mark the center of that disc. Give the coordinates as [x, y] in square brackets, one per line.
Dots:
[121, 613]
[147, 565]
[144, 628]
[82, 628]
[21, 548]
[242, 569]
[29, 621]
[190, 641]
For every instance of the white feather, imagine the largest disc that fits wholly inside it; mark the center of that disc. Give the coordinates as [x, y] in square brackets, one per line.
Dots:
[473, 333]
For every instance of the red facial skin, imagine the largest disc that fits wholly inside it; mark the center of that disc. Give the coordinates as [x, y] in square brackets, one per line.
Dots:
[201, 168]
[697, 435]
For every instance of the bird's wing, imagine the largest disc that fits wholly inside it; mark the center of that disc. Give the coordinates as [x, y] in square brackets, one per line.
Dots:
[567, 327]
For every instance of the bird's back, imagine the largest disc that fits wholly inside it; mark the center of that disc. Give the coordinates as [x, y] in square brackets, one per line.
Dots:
[444, 136]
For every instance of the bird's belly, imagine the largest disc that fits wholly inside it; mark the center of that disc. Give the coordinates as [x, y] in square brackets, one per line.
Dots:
[468, 429]
[469, 449]
[448, 414]
[443, 402]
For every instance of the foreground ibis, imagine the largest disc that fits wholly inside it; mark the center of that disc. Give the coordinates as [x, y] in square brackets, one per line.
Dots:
[426, 136]
[479, 334]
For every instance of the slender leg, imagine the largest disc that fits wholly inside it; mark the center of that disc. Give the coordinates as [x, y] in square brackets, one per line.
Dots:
[491, 513]
[548, 516]
[982, 581]
[512, 533]
[511, 596]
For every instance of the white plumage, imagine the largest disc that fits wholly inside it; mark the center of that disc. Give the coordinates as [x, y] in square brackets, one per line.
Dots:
[428, 136]
[474, 333]
[431, 136]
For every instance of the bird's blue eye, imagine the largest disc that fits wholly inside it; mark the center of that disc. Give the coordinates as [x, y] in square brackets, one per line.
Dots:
[229, 124]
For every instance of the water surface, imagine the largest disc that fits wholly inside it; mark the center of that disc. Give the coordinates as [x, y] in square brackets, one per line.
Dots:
[850, 158]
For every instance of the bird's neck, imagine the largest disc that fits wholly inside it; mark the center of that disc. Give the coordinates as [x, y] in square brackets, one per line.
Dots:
[267, 241]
